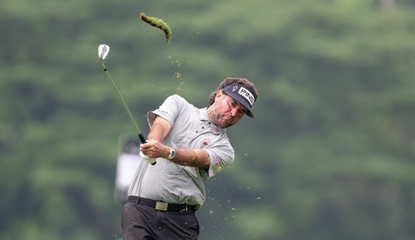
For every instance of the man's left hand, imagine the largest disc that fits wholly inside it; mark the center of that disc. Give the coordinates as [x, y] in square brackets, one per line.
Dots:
[147, 159]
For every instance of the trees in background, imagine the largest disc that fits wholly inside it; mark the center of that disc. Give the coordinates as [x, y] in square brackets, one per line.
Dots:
[329, 154]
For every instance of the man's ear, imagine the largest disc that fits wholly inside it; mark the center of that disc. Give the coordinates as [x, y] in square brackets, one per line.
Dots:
[218, 95]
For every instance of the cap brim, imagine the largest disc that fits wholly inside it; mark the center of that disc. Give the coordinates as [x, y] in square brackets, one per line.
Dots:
[249, 112]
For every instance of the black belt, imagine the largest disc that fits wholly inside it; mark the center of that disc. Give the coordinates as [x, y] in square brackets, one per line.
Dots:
[162, 206]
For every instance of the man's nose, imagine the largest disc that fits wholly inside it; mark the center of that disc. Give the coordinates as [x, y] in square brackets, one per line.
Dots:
[234, 112]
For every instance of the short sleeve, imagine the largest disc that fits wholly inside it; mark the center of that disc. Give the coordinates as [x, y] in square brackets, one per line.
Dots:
[221, 155]
[169, 110]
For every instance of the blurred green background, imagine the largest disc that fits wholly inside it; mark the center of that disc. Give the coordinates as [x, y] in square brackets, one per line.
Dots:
[329, 155]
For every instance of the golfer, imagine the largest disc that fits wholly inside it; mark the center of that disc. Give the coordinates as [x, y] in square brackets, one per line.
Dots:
[189, 145]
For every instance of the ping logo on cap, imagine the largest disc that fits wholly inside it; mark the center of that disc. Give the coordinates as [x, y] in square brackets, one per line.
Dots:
[246, 94]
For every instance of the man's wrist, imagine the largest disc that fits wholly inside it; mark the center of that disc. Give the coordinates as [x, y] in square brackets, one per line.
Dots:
[172, 154]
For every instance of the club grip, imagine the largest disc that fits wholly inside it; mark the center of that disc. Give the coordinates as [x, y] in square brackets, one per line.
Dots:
[143, 140]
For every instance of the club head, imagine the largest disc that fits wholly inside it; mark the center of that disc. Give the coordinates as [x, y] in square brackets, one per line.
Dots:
[103, 51]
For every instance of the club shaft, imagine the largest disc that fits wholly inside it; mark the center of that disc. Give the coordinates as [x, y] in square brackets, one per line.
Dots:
[125, 105]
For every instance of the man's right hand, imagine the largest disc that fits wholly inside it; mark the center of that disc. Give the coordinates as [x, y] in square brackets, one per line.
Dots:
[154, 149]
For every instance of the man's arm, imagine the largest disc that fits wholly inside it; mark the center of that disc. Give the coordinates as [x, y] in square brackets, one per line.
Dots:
[154, 147]
[159, 130]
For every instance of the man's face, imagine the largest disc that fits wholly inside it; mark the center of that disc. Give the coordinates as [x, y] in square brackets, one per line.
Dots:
[226, 111]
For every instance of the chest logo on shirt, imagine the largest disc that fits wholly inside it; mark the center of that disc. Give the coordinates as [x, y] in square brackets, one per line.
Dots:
[206, 142]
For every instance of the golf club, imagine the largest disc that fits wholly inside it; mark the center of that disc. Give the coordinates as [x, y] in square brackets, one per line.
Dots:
[103, 50]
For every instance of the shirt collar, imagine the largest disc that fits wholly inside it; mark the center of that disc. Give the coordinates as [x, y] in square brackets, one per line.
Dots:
[205, 118]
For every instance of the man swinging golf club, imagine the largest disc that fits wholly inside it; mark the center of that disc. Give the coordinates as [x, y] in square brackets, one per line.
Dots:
[190, 145]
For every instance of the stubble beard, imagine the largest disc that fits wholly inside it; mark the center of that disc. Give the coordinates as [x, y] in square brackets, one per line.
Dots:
[217, 121]
[216, 117]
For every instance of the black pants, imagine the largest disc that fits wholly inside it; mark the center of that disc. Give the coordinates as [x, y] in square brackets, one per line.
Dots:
[141, 222]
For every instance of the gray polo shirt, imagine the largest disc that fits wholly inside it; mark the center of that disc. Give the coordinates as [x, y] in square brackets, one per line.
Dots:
[191, 129]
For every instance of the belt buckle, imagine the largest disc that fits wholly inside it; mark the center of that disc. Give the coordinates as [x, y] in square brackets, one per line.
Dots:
[162, 206]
